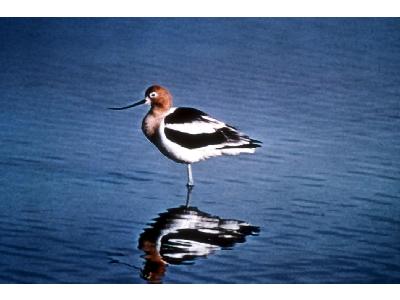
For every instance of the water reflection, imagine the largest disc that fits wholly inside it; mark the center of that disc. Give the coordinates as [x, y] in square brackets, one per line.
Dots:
[184, 233]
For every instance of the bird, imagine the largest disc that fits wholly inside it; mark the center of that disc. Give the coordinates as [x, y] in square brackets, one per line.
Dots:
[187, 135]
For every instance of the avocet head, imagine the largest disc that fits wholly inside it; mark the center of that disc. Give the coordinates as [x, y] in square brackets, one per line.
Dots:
[156, 96]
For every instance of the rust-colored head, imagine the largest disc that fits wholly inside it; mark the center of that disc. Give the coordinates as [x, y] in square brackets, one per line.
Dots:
[158, 97]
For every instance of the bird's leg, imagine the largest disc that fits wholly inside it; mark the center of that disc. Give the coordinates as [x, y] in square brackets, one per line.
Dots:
[189, 191]
[190, 182]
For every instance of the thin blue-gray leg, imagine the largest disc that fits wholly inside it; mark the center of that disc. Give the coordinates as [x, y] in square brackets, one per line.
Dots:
[190, 182]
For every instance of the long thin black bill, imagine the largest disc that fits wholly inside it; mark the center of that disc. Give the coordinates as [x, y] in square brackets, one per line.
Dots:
[129, 106]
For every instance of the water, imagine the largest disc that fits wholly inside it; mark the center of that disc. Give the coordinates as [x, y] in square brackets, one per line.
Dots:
[85, 198]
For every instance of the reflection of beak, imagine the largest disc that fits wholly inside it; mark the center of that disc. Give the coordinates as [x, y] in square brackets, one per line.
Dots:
[129, 106]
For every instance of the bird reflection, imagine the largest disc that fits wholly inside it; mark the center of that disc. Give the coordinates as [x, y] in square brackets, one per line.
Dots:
[182, 234]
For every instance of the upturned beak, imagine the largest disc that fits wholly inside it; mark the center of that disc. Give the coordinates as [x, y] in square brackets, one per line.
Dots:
[129, 106]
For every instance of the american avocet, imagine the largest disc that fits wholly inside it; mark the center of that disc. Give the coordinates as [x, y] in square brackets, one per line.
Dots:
[187, 135]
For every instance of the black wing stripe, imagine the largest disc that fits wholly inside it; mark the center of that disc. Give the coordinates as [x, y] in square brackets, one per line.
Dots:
[184, 115]
[219, 137]
[193, 141]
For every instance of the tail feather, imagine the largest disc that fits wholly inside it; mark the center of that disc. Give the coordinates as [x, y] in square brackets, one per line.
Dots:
[236, 139]
[250, 144]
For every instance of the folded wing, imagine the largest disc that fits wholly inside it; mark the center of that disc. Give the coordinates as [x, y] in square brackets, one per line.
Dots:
[192, 129]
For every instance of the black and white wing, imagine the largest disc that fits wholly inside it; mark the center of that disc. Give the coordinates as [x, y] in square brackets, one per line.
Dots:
[193, 129]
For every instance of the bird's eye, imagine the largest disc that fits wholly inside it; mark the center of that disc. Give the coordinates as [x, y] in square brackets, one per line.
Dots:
[153, 95]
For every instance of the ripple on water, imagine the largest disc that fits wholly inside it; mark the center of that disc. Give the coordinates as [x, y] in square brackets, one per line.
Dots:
[364, 200]
[373, 175]
[381, 219]
[30, 276]
[126, 177]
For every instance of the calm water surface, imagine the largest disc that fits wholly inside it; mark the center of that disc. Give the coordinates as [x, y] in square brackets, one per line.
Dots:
[85, 198]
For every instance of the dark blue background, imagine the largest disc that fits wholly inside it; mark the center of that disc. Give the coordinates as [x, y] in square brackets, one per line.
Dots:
[79, 183]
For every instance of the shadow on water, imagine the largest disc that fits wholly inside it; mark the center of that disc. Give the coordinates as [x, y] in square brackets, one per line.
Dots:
[182, 234]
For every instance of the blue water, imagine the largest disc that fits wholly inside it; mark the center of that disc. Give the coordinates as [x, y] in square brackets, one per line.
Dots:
[85, 198]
